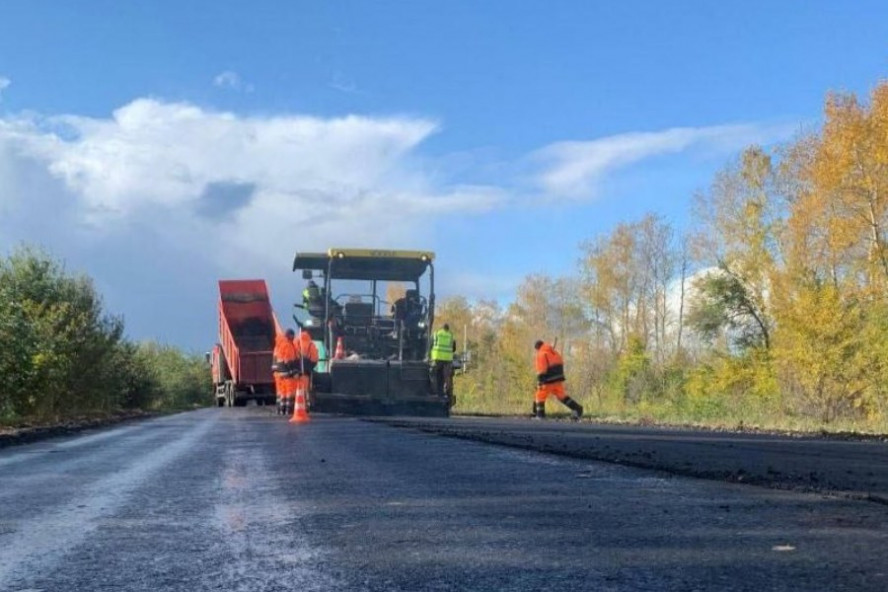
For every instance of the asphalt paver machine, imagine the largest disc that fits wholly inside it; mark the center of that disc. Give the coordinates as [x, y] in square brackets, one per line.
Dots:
[374, 353]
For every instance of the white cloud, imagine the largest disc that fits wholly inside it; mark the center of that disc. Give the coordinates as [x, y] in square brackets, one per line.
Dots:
[256, 177]
[241, 192]
[159, 199]
[232, 80]
[4, 84]
[574, 169]
[343, 84]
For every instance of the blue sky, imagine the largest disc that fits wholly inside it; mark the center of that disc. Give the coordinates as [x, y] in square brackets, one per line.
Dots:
[160, 145]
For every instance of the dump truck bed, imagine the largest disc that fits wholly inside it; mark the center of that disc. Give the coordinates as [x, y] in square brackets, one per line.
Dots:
[247, 330]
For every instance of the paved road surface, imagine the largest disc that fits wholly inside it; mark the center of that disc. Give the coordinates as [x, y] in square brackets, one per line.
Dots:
[856, 468]
[235, 499]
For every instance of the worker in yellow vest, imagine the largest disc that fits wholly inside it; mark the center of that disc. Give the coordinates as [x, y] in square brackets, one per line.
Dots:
[443, 348]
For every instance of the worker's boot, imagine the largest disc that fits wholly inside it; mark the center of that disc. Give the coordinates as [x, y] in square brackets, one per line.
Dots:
[539, 410]
[576, 410]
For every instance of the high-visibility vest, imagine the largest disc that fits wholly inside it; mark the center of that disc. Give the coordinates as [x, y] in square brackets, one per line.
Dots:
[286, 355]
[308, 350]
[442, 347]
[310, 294]
[549, 365]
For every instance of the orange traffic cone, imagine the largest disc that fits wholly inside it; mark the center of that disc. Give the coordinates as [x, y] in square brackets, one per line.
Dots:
[340, 350]
[300, 413]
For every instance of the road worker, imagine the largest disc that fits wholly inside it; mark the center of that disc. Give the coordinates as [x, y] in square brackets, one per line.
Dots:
[278, 388]
[308, 359]
[286, 371]
[408, 309]
[312, 300]
[550, 381]
[316, 302]
[443, 348]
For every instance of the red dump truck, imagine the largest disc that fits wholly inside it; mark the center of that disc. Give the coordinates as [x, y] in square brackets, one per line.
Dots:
[247, 330]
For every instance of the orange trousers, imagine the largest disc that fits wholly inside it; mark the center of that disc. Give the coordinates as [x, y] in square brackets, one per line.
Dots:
[544, 390]
[287, 385]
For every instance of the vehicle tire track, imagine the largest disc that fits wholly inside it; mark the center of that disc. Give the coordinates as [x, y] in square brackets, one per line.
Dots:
[34, 545]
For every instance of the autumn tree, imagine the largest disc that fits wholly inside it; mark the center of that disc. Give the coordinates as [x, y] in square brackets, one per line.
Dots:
[626, 278]
[829, 301]
[741, 222]
[395, 291]
[774, 307]
[850, 174]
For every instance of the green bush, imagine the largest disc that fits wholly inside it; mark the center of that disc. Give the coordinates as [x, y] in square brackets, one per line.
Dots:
[633, 377]
[180, 380]
[62, 354]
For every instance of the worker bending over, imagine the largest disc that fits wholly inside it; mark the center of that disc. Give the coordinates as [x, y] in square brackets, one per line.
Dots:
[550, 381]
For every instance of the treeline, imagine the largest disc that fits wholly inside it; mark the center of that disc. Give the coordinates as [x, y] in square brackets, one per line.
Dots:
[771, 310]
[63, 355]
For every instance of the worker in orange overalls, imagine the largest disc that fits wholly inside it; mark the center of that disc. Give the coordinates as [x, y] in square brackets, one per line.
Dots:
[278, 389]
[286, 371]
[308, 359]
[550, 381]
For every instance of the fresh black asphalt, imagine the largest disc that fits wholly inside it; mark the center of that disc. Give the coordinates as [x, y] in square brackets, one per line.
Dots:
[239, 500]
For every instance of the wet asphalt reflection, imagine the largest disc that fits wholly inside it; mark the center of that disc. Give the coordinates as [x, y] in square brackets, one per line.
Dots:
[237, 499]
